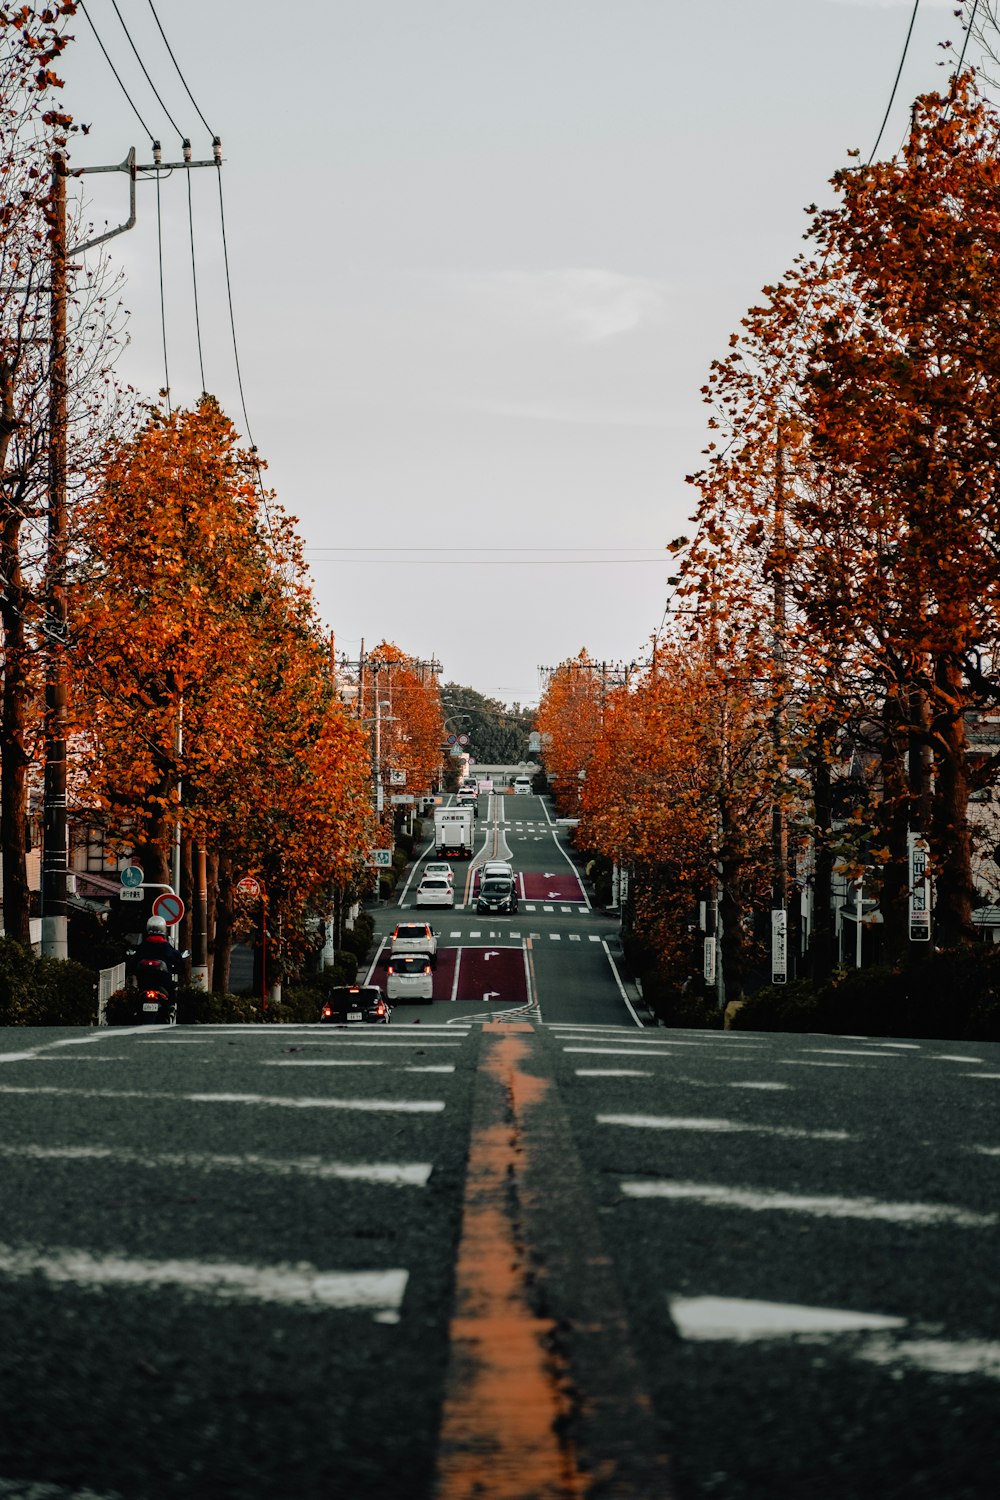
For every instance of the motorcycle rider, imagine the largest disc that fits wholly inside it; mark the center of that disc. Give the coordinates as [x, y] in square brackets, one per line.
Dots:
[156, 947]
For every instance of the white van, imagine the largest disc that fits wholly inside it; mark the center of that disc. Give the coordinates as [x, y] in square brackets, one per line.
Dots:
[522, 786]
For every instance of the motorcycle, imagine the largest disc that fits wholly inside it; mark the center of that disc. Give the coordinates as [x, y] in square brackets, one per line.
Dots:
[152, 988]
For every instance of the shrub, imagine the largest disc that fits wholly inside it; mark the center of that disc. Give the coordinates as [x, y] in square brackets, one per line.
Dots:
[197, 1007]
[16, 974]
[358, 939]
[65, 994]
[950, 995]
[779, 1007]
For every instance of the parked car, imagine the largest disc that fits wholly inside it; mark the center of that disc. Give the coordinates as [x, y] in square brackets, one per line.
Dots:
[409, 977]
[349, 1004]
[435, 890]
[414, 937]
[439, 867]
[497, 896]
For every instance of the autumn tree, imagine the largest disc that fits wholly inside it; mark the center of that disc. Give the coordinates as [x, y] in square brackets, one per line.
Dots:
[215, 709]
[569, 721]
[677, 790]
[34, 137]
[863, 391]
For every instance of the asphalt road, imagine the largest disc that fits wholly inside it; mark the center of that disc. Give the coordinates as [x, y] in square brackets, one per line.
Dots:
[513, 1248]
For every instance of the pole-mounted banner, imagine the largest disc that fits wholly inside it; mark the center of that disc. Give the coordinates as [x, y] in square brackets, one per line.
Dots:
[918, 850]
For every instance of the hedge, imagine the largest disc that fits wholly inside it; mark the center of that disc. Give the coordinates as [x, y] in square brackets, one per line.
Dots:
[953, 995]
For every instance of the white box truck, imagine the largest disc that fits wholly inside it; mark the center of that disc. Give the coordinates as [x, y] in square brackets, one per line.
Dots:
[453, 832]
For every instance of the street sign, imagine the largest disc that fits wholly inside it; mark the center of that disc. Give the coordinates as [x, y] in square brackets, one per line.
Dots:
[453, 739]
[779, 946]
[250, 887]
[920, 889]
[709, 968]
[132, 893]
[132, 876]
[402, 799]
[397, 778]
[463, 739]
[169, 907]
[381, 859]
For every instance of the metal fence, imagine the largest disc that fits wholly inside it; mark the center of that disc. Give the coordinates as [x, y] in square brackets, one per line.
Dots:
[108, 981]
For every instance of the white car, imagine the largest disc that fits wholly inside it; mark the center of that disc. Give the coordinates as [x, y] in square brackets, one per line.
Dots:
[439, 867]
[522, 786]
[495, 869]
[409, 977]
[435, 890]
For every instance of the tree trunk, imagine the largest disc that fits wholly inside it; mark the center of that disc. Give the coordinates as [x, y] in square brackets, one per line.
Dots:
[732, 945]
[16, 698]
[222, 942]
[894, 822]
[821, 940]
[212, 874]
[951, 842]
[16, 702]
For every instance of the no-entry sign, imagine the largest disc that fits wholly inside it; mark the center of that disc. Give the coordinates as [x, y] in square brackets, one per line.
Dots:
[169, 907]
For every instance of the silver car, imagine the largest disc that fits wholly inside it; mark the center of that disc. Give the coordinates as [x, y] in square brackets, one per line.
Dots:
[409, 977]
[435, 890]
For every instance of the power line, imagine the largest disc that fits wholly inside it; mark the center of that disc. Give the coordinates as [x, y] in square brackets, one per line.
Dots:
[194, 283]
[895, 86]
[145, 70]
[180, 75]
[163, 305]
[404, 547]
[114, 70]
[492, 562]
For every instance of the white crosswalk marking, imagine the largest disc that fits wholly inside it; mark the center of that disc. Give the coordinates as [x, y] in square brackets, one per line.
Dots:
[574, 937]
[555, 937]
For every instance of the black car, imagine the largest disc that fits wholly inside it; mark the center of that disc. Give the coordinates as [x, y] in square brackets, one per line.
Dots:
[350, 1004]
[497, 896]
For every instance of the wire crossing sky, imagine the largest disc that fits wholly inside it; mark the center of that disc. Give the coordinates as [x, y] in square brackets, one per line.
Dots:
[471, 268]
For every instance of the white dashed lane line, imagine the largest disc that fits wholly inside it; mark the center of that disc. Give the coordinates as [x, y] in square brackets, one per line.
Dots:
[816, 1206]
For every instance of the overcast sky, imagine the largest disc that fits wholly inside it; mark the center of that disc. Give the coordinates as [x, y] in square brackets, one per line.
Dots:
[483, 253]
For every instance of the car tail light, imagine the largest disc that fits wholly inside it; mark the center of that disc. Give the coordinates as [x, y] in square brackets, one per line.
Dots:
[380, 1009]
[327, 1011]
[390, 970]
[150, 994]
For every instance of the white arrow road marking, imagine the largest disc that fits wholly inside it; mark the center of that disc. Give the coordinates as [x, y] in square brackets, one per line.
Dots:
[742, 1320]
[377, 1292]
[493, 953]
[491, 995]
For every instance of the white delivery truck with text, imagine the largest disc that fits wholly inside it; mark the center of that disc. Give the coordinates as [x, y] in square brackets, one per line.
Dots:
[453, 832]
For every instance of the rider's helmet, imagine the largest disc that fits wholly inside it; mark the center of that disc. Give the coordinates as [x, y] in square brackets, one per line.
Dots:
[156, 927]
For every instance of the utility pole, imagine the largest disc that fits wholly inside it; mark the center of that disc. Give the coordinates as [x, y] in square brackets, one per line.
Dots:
[55, 943]
[55, 862]
[779, 851]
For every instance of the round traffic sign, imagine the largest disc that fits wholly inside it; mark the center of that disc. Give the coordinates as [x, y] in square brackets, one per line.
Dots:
[169, 907]
[249, 886]
[463, 739]
[132, 877]
[453, 739]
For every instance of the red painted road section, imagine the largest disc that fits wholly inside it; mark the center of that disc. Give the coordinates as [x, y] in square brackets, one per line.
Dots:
[558, 886]
[496, 975]
[495, 971]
